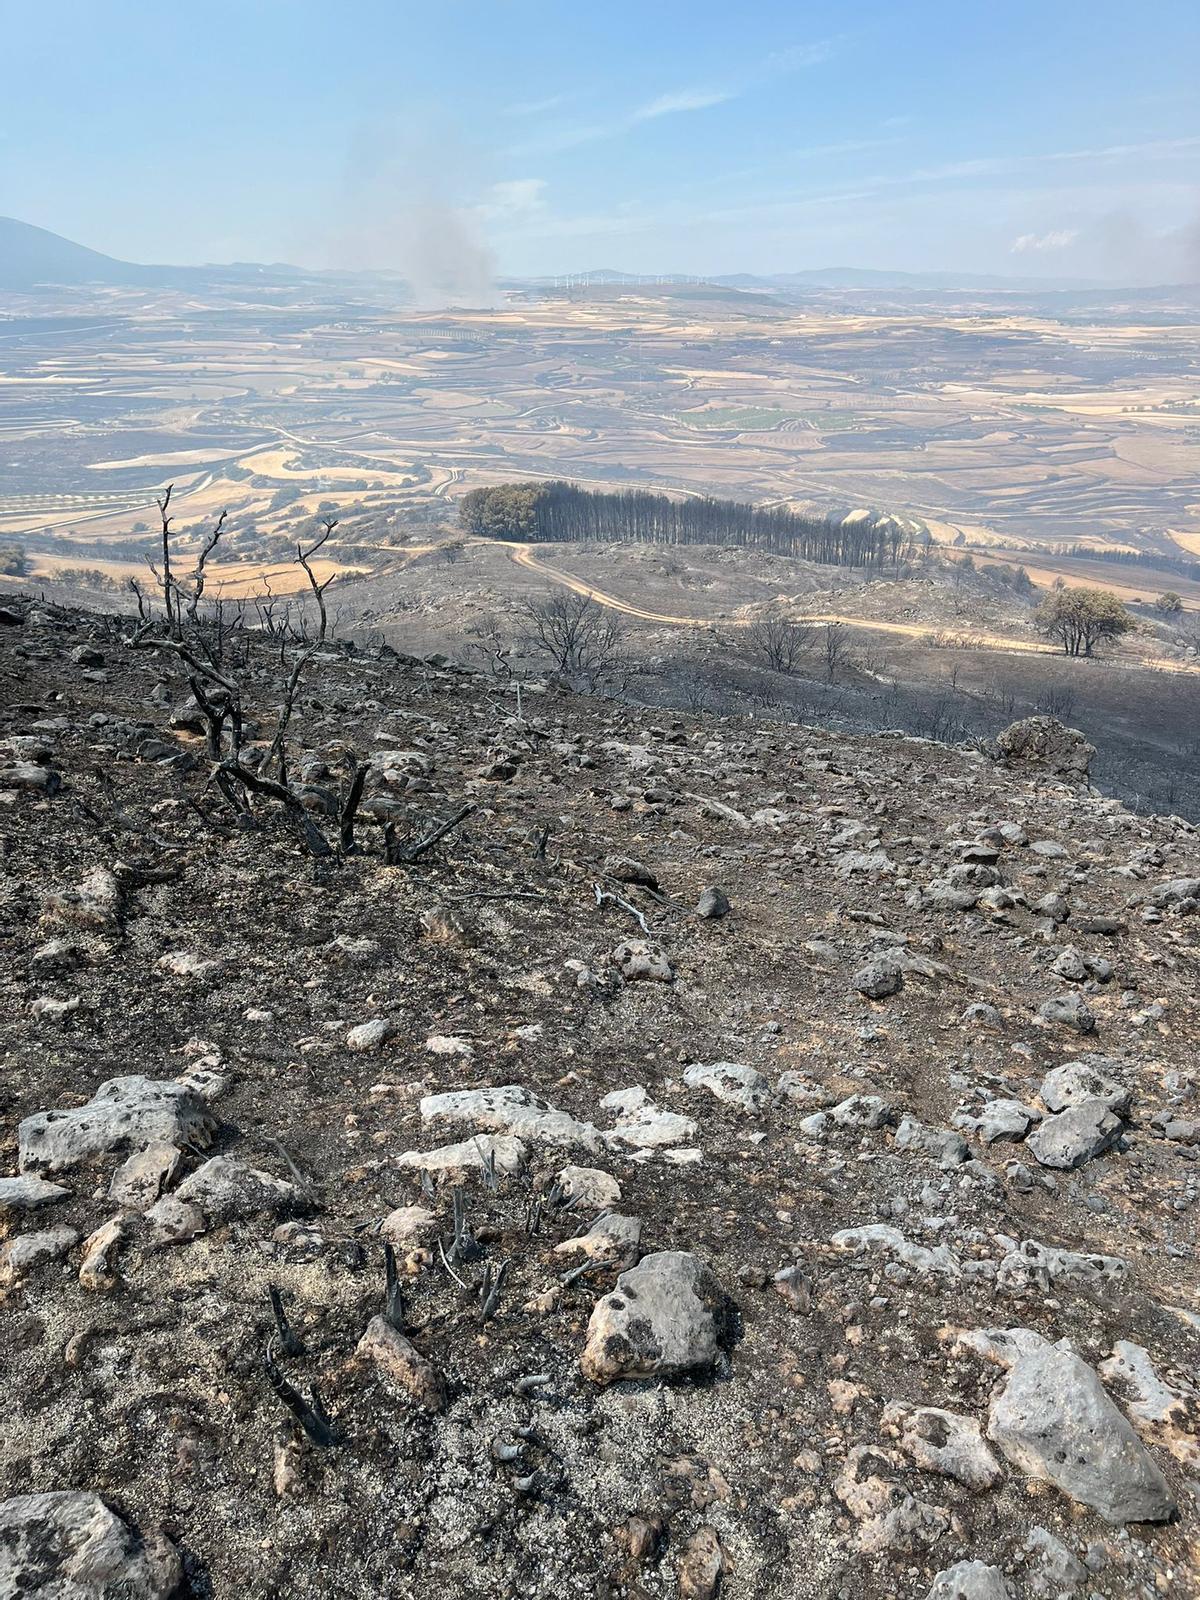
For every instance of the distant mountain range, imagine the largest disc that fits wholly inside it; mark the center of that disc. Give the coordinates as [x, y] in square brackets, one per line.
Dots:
[819, 278]
[32, 257]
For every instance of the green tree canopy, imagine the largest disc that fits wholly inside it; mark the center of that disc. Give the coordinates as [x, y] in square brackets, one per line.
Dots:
[1080, 619]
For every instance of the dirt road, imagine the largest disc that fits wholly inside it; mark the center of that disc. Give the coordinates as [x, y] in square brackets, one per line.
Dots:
[523, 555]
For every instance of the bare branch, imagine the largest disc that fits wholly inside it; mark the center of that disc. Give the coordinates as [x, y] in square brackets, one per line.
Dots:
[198, 574]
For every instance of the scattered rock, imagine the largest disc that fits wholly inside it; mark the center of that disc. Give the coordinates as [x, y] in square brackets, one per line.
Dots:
[510, 1109]
[27, 1251]
[370, 1035]
[404, 1364]
[125, 1114]
[1075, 1136]
[663, 1319]
[139, 1181]
[29, 1193]
[589, 1186]
[733, 1084]
[712, 904]
[226, 1188]
[1053, 1421]
[940, 1441]
[68, 1545]
[890, 1517]
[455, 1160]
[1046, 743]
[970, 1580]
[639, 960]
[1069, 1011]
[879, 977]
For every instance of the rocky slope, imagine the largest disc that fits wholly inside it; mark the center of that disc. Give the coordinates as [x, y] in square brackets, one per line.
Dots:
[731, 1161]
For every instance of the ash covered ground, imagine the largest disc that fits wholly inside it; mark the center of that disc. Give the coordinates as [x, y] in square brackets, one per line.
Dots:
[785, 1148]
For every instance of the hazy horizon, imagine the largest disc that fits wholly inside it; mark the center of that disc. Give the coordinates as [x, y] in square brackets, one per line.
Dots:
[534, 141]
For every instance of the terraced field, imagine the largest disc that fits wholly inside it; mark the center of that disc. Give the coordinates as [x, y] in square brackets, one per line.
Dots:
[1016, 429]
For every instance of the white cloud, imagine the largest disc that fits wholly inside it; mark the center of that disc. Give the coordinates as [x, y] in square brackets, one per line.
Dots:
[1056, 239]
[536, 108]
[802, 55]
[667, 105]
[514, 199]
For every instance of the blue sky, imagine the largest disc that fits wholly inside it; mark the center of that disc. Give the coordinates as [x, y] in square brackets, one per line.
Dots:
[532, 136]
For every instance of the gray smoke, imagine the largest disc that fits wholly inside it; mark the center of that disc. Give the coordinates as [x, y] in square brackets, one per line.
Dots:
[1125, 247]
[404, 207]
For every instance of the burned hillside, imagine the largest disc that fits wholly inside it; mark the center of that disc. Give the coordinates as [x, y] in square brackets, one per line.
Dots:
[548, 1148]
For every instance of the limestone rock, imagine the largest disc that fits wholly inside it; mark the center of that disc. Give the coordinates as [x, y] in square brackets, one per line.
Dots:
[225, 1188]
[125, 1114]
[98, 1268]
[640, 960]
[731, 1083]
[29, 1250]
[941, 1441]
[642, 1124]
[408, 1225]
[370, 1035]
[662, 1320]
[403, 1363]
[29, 1193]
[1088, 1077]
[455, 1160]
[970, 1580]
[589, 1186]
[140, 1180]
[1075, 1136]
[870, 1486]
[68, 1545]
[1045, 743]
[999, 1119]
[626, 870]
[612, 1239]
[712, 904]
[95, 903]
[701, 1568]
[1052, 1419]
[510, 1109]
[947, 1148]
[879, 977]
[1069, 1011]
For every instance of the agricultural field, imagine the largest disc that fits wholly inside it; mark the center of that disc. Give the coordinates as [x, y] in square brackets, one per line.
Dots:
[1004, 426]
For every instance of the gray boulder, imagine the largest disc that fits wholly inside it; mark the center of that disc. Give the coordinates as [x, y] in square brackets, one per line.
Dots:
[731, 1083]
[510, 1109]
[1075, 1136]
[947, 1148]
[1086, 1078]
[29, 1194]
[225, 1188]
[1069, 1011]
[1174, 892]
[999, 1119]
[712, 904]
[124, 1115]
[970, 1580]
[879, 977]
[663, 1319]
[1047, 744]
[1053, 1420]
[69, 1546]
[943, 1442]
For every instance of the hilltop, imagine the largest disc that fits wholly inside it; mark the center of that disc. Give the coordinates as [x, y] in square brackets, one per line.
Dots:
[785, 1143]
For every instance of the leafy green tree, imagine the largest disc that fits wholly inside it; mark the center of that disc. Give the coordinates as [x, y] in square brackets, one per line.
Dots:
[1080, 619]
[1169, 604]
